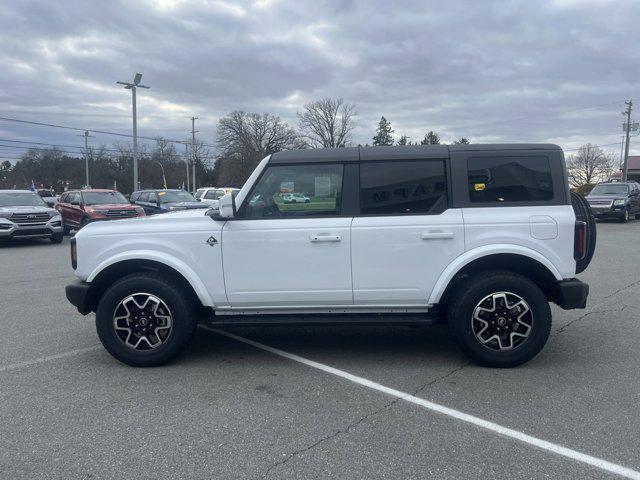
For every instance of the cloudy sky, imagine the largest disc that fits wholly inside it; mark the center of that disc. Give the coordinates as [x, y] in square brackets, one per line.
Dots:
[494, 71]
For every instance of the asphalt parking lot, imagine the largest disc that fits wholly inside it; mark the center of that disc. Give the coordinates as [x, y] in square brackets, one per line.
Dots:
[230, 410]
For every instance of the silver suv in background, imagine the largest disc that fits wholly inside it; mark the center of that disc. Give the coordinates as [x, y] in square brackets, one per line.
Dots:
[24, 214]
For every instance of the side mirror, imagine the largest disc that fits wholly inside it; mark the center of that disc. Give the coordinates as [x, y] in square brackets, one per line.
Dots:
[227, 206]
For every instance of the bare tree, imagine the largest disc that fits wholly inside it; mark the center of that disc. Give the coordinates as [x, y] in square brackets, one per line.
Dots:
[589, 165]
[327, 123]
[246, 138]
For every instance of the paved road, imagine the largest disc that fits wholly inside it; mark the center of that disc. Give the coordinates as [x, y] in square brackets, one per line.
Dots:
[230, 410]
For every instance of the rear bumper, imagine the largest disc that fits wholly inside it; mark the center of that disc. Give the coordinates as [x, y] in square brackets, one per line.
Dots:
[78, 295]
[571, 294]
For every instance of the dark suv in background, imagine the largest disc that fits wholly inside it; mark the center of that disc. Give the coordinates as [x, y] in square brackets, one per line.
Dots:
[163, 201]
[619, 200]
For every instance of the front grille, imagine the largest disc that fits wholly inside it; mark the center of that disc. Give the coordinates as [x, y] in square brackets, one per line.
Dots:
[600, 203]
[29, 218]
[122, 213]
[31, 231]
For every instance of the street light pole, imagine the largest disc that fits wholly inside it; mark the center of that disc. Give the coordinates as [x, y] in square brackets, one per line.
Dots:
[627, 112]
[193, 152]
[86, 156]
[133, 86]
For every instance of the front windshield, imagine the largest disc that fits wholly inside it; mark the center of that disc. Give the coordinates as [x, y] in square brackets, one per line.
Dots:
[172, 196]
[103, 198]
[610, 189]
[21, 199]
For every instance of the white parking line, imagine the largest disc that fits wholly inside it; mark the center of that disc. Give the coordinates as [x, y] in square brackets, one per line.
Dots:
[458, 415]
[48, 358]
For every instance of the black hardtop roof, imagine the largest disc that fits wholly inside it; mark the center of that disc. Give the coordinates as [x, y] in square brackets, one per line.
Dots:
[398, 152]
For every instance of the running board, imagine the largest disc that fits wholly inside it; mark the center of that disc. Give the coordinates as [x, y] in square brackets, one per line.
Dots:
[326, 319]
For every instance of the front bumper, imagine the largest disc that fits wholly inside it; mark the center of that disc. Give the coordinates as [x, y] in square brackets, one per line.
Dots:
[78, 294]
[8, 229]
[608, 212]
[571, 294]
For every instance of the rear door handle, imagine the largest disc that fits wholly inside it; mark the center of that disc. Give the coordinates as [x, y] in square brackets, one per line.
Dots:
[436, 235]
[324, 238]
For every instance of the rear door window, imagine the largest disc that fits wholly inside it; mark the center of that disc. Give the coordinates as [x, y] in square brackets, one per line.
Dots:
[509, 179]
[414, 187]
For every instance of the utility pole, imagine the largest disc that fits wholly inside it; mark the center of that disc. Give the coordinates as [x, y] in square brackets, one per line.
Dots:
[186, 162]
[627, 112]
[86, 156]
[193, 153]
[132, 87]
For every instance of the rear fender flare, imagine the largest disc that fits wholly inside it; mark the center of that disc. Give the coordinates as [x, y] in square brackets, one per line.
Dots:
[460, 262]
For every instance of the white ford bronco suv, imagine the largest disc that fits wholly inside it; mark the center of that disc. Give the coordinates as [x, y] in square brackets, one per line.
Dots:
[482, 237]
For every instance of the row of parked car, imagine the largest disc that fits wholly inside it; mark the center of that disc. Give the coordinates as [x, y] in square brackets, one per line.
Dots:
[40, 214]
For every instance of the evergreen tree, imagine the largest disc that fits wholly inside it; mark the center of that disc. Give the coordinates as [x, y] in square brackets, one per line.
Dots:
[462, 141]
[383, 133]
[431, 138]
[404, 140]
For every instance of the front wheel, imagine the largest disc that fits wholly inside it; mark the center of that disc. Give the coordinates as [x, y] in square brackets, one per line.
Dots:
[145, 319]
[500, 319]
[625, 216]
[57, 237]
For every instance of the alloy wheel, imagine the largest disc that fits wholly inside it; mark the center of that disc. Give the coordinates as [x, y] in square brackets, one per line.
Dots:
[142, 321]
[502, 321]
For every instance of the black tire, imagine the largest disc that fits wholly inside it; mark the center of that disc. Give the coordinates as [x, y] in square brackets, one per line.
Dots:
[83, 223]
[179, 302]
[57, 237]
[584, 214]
[472, 292]
[66, 228]
[624, 218]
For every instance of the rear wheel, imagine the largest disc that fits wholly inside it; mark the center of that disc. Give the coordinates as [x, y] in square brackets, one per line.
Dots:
[145, 319]
[66, 228]
[500, 319]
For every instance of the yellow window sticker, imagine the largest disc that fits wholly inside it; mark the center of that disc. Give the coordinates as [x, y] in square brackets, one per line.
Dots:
[162, 193]
[479, 187]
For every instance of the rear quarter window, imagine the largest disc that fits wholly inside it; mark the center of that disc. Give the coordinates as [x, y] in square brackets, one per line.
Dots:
[509, 179]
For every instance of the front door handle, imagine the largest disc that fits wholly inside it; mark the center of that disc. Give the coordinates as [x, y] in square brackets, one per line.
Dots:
[324, 238]
[436, 235]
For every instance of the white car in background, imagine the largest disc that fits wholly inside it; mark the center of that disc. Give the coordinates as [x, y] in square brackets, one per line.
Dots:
[295, 198]
[211, 196]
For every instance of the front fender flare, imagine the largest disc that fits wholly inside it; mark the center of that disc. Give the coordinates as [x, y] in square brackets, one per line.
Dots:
[181, 267]
[467, 257]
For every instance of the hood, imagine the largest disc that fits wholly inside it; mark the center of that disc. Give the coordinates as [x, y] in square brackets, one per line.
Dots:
[172, 222]
[611, 196]
[28, 209]
[185, 205]
[108, 206]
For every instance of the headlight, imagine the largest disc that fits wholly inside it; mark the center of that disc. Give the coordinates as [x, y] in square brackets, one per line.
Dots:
[140, 210]
[99, 212]
[620, 201]
[175, 207]
[5, 214]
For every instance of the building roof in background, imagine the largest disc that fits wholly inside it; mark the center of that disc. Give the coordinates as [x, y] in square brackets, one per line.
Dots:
[634, 162]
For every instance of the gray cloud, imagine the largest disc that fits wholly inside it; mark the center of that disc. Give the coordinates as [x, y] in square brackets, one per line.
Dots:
[501, 71]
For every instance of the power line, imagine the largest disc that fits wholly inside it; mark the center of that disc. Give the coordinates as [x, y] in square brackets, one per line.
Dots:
[103, 132]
